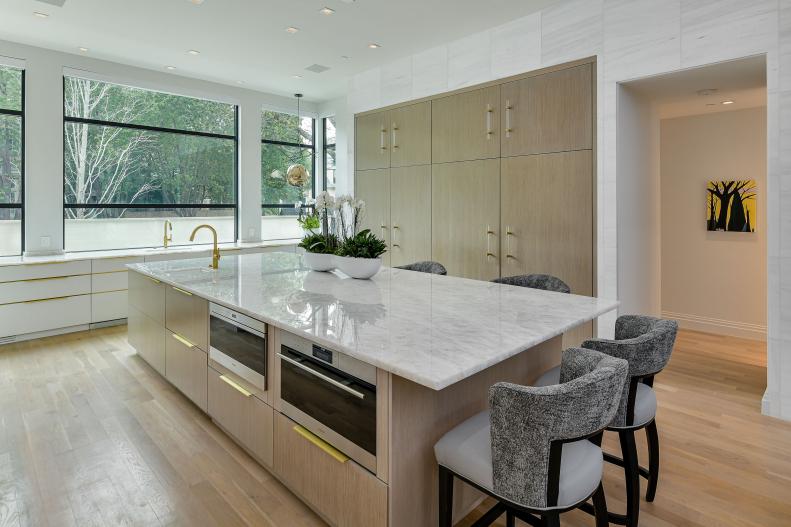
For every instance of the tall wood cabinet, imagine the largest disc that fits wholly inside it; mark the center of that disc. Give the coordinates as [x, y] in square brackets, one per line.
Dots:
[373, 187]
[466, 126]
[410, 213]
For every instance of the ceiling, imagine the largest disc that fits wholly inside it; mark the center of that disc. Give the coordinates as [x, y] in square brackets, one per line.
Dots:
[676, 94]
[246, 42]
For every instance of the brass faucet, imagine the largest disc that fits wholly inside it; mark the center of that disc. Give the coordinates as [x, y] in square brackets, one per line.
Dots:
[215, 254]
[168, 234]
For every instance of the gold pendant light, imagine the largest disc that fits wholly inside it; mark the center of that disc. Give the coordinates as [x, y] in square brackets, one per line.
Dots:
[297, 175]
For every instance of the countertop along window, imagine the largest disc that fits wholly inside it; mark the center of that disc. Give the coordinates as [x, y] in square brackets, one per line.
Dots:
[12, 160]
[134, 158]
[286, 140]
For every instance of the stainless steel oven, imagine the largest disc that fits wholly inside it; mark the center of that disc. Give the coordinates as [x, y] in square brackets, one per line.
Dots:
[238, 343]
[332, 395]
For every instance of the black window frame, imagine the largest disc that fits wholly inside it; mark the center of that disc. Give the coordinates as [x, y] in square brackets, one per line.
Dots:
[324, 148]
[156, 129]
[21, 205]
[311, 147]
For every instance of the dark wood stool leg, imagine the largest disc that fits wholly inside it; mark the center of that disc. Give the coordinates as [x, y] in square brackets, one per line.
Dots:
[652, 436]
[632, 474]
[600, 507]
[445, 497]
[510, 519]
[551, 519]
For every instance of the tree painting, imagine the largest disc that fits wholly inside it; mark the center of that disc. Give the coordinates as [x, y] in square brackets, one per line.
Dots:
[731, 206]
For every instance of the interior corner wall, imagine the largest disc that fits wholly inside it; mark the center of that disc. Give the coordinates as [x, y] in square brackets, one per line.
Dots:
[713, 281]
[344, 133]
[639, 225]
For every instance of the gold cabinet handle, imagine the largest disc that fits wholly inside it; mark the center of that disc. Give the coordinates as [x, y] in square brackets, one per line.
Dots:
[183, 340]
[319, 442]
[489, 112]
[508, 108]
[489, 233]
[230, 382]
[154, 280]
[393, 130]
[508, 234]
[382, 146]
[182, 291]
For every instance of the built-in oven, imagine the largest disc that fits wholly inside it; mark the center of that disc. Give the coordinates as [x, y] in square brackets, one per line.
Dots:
[331, 394]
[238, 342]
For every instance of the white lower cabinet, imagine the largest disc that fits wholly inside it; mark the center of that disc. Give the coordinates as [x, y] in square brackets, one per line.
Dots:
[44, 315]
[186, 368]
[241, 414]
[109, 306]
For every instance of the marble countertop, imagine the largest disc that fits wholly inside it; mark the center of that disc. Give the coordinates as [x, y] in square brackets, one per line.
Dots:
[433, 330]
[131, 253]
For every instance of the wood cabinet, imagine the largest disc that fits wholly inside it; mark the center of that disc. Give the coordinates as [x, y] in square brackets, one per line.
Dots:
[373, 187]
[466, 126]
[148, 338]
[372, 141]
[233, 405]
[148, 296]
[465, 218]
[410, 135]
[187, 315]
[343, 492]
[186, 368]
[410, 213]
[548, 113]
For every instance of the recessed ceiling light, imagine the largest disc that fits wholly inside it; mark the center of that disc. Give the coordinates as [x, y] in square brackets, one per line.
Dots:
[374, 45]
[292, 29]
[193, 52]
[348, 1]
[297, 76]
[171, 68]
[326, 11]
[197, 2]
[239, 82]
[39, 14]
[727, 102]
[84, 50]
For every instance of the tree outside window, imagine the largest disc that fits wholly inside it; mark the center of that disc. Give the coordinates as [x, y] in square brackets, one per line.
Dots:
[11, 160]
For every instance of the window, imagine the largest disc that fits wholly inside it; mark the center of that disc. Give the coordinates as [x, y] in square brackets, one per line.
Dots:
[134, 158]
[329, 154]
[286, 140]
[12, 160]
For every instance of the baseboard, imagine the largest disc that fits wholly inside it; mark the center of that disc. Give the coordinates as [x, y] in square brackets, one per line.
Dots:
[108, 323]
[773, 405]
[717, 325]
[41, 334]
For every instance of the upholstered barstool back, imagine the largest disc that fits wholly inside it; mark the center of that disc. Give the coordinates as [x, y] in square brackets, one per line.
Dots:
[646, 343]
[529, 423]
[536, 281]
[425, 267]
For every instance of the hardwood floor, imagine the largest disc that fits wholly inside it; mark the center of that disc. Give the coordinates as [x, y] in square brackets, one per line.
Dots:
[91, 436]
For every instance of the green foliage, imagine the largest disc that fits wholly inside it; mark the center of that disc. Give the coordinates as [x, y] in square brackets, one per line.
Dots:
[275, 159]
[363, 245]
[10, 141]
[309, 222]
[318, 243]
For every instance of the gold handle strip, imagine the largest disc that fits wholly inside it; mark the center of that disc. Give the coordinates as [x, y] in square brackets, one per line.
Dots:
[182, 291]
[319, 442]
[235, 386]
[47, 299]
[183, 340]
[49, 278]
[154, 280]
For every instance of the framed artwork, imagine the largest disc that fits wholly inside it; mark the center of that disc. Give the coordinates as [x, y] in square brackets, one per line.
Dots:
[731, 205]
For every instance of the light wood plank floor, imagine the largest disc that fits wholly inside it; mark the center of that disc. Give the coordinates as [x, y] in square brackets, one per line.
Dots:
[91, 436]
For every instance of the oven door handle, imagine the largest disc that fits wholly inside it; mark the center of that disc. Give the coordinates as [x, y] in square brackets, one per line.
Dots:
[323, 377]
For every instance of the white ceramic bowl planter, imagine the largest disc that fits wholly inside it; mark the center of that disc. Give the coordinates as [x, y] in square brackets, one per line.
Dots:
[361, 268]
[319, 261]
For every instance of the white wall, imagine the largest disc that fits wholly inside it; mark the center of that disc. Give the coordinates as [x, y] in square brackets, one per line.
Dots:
[44, 71]
[344, 141]
[713, 281]
[632, 39]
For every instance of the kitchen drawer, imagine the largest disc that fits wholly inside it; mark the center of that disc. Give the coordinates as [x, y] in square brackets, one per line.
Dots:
[11, 273]
[339, 489]
[44, 315]
[186, 368]
[109, 306]
[43, 288]
[109, 281]
[148, 339]
[187, 315]
[239, 412]
[113, 265]
[147, 295]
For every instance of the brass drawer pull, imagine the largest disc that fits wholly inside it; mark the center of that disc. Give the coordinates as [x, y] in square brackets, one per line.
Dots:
[319, 442]
[182, 291]
[183, 340]
[154, 280]
[230, 382]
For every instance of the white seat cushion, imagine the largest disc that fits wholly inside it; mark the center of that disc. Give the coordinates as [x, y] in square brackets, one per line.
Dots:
[644, 403]
[467, 451]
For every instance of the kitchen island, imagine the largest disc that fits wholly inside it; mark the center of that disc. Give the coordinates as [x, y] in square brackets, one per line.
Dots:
[362, 377]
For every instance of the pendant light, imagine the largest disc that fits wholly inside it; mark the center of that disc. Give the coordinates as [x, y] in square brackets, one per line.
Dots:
[297, 175]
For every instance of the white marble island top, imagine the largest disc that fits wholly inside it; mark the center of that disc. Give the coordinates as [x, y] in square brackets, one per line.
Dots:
[433, 330]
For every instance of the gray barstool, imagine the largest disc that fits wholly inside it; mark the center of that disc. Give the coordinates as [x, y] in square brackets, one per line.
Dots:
[530, 450]
[536, 281]
[646, 343]
[425, 267]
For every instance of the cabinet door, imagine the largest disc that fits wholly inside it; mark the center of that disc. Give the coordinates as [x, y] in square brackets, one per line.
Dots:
[548, 113]
[148, 338]
[466, 126]
[372, 141]
[188, 316]
[148, 296]
[465, 218]
[410, 135]
[373, 187]
[410, 210]
[187, 369]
